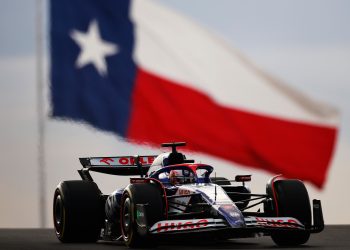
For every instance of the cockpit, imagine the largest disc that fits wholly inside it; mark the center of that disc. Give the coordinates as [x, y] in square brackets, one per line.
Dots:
[183, 174]
[173, 168]
[170, 158]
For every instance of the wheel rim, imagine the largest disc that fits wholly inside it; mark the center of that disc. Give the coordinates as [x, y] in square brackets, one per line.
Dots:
[58, 214]
[126, 218]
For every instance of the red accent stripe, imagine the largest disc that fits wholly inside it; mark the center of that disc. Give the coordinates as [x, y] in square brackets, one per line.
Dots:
[166, 111]
[274, 193]
[164, 195]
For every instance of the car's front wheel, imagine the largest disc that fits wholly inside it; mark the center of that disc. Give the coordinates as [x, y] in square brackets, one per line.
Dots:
[149, 196]
[293, 201]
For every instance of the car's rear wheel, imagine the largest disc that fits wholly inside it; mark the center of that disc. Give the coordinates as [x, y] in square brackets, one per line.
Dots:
[293, 201]
[77, 211]
[145, 194]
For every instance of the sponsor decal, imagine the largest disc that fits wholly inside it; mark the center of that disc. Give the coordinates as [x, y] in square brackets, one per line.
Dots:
[139, 214]
[235, 214]
[278, 222]
[123, 161]
[107, 160]
[178, 225]
[138, 180]
[131, 160]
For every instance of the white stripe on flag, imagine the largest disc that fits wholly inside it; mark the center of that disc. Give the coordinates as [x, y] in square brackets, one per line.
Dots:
[174, 47]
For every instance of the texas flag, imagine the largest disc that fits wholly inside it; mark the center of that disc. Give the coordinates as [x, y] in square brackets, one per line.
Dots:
[151, 75]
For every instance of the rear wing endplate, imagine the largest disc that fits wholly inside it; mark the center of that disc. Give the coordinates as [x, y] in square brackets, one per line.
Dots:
[117, 165]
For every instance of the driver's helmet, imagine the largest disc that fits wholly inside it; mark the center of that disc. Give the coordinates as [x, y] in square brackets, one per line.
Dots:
[177, 177]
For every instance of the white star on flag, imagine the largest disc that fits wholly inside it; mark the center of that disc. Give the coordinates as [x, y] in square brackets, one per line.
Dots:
[93, 49]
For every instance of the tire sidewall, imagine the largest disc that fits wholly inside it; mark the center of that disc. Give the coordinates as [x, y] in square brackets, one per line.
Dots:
[59, 229]
[128, 236]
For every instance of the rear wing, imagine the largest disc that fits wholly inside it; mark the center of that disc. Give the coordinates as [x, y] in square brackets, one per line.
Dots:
[116, 165]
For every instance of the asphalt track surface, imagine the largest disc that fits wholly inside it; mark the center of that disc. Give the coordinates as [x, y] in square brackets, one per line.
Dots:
[333, 237]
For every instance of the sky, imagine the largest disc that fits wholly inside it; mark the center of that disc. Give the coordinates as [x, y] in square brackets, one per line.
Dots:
[306, 44]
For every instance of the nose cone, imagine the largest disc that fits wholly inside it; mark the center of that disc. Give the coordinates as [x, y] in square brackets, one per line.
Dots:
[233, 215]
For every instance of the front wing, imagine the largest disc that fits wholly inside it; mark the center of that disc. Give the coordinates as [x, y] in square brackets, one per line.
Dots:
[258, 224]
[253, 224]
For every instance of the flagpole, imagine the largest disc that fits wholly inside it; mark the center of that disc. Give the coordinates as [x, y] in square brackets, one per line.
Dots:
[40, 114]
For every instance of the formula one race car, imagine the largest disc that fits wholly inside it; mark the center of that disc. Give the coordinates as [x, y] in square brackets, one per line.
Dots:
[177, 197]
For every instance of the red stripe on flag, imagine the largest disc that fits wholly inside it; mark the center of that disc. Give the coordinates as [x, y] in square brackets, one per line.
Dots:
[165, 111]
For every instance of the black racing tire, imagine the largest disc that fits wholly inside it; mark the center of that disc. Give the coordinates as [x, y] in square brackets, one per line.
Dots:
[293, 201]
[77, 211]
[143, 193]
[220, 181]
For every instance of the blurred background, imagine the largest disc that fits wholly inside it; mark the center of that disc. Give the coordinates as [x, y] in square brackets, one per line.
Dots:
[306, 44]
